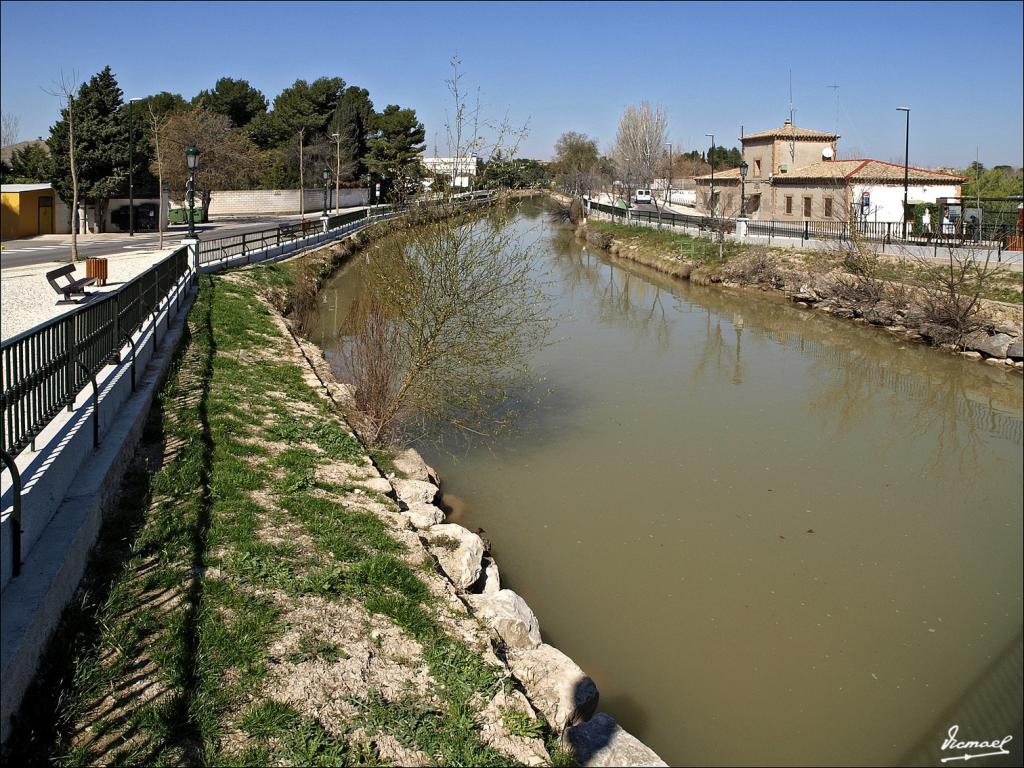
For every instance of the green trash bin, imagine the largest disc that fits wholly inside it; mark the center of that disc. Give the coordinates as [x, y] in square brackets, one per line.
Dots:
[180, 215]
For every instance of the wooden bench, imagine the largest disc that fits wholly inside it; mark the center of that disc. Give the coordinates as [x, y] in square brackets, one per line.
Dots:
[70, 285]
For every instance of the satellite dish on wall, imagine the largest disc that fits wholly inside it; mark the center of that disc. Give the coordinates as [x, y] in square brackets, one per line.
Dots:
[827, 153]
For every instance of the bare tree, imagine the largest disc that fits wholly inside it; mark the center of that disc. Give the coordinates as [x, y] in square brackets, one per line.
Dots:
[449, 311]
[227, 157]
[65, 89]
[9, 130]
[471, 134]
[951, 294]
[157, 124]
[302, 173]
[723, 206]
[640, 144]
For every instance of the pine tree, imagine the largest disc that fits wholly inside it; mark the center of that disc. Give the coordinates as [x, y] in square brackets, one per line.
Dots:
[395, 146]
[101, 144]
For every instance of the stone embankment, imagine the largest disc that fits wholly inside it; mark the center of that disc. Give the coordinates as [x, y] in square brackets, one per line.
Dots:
[995, 335]
[553, 684]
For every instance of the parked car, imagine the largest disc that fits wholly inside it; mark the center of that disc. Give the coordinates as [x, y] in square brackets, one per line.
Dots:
[146, 217]
[642, 196]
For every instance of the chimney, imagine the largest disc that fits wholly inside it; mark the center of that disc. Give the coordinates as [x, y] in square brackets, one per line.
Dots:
[787, 123]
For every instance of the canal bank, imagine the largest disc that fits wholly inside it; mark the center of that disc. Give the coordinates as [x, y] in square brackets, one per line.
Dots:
[261, 593]
[764, 532]
[947, 306]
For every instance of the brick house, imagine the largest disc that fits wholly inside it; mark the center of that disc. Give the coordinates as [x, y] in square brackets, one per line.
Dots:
[792, 175]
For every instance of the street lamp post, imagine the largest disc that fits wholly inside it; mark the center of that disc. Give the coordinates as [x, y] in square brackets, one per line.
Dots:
[192, 160]
[743, 188]
[712, 158]
[668, 199]
[326, 175]
[131, 168]
[906, 168]
[337, 174]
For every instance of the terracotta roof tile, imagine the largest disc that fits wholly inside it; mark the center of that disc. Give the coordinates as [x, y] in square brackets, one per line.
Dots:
[789, 131]
[869, 170]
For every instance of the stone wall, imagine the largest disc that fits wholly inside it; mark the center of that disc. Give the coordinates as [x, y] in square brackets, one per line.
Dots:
[270, 201]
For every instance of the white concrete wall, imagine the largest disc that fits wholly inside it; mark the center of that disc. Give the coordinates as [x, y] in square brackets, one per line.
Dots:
[271, 201]
[887, 199]
[61, 217]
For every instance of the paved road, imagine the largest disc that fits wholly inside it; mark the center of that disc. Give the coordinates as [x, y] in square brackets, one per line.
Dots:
[57, 248]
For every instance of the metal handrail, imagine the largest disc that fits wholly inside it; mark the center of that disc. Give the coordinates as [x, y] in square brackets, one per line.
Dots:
[39, 368]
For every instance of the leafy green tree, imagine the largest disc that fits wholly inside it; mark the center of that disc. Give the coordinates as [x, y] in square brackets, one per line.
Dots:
[101, 144]
[302, 106]
[724, 158]
[515, 173]
[395, 146]
[227, 157]
[164, 104]
[576, 161]
[31, 164]
[235, 99]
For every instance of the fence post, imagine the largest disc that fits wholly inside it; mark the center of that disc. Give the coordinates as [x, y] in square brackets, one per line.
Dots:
[95, 405]
[807, 235]
[16, 515]
[69, 365]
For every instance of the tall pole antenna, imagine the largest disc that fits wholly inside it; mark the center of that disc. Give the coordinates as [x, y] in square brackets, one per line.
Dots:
[792, 132]
[790, 94]
[835, 92]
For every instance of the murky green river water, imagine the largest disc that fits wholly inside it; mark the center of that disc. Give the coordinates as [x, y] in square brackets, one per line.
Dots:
[769, 536]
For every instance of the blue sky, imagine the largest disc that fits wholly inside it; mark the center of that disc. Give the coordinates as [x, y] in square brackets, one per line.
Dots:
[571, 66]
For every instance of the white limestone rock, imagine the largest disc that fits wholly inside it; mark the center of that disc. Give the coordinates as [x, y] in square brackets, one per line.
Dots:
[459, 552]
[415, 491]
[411, 464]
[424, 516]
[602, 742]
[508, 614]
[490, 580]
[555, 685]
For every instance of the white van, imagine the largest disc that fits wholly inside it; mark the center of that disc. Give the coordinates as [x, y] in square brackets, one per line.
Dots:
[642, 196]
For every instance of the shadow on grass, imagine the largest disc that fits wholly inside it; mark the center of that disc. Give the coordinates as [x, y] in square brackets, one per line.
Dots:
[85, 702]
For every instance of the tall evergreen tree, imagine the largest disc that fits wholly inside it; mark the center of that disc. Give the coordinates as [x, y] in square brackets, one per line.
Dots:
[101, 144]
[352, 122]
[395, 146]
[31, 164]
[235, 99]
[302, 106]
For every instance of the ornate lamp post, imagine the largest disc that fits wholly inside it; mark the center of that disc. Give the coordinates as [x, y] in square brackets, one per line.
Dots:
[743, 180]
[192, 160]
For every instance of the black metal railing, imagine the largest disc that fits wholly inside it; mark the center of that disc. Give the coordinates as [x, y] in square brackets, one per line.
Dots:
[994, 235]
[43, 369]
[249, 243]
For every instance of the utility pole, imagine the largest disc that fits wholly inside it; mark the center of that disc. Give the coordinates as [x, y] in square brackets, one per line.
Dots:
[337, 172]
[668, 198]
[906, 169]
[711, 157]
[131, 168]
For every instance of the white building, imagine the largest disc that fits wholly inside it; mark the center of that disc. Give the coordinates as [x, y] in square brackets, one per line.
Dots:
[459, 169]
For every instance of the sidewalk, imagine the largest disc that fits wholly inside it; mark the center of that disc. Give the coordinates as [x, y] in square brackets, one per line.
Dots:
[26, 298]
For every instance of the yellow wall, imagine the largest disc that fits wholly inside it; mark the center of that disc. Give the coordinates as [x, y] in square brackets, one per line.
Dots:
[20, 213]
